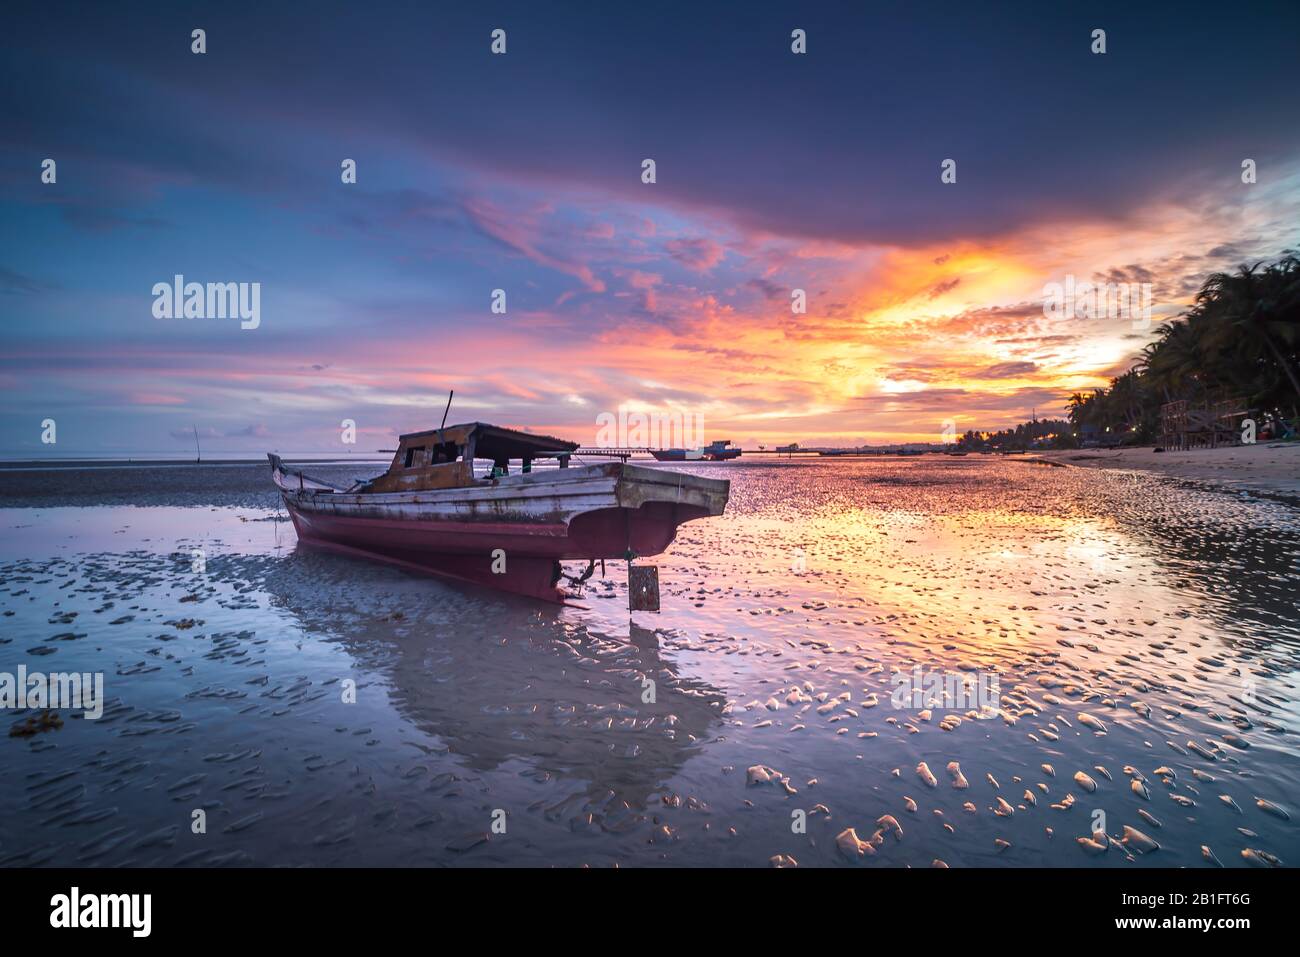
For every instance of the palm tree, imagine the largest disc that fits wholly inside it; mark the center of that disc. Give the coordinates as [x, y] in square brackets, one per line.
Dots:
[1077, 408]
[1263, 304]
[1241, 337]
[1177, 363]
[1128, 396]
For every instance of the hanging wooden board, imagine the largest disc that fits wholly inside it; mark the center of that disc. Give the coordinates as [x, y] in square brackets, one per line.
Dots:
[642, 588]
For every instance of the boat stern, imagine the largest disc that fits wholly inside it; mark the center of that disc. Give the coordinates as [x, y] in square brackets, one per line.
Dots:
[638, 486]
[649, 506]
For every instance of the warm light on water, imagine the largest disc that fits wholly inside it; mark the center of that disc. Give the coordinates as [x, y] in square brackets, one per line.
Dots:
[1167, 613]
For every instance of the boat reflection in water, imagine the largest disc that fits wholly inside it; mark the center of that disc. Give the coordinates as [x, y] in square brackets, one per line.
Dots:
[555, 720]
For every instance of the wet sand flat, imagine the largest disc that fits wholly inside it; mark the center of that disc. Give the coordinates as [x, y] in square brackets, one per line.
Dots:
[1141, 636]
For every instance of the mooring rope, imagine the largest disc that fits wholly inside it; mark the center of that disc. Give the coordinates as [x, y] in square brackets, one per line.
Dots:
[591, 567]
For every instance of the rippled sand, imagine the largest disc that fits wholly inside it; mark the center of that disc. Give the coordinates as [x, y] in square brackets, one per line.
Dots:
[1144, 637]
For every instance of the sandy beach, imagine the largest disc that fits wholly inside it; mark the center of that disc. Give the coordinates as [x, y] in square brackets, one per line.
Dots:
[1264, 468]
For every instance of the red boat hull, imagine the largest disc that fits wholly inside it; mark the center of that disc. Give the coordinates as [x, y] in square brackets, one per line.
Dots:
[530, 552]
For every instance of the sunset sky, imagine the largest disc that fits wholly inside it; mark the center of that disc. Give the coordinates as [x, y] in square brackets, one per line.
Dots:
[522, 171]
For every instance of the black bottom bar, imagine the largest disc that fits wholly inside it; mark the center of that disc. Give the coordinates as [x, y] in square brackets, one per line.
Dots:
[214, 907]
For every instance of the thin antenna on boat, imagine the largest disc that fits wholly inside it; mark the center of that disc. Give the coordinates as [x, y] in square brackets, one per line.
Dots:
[446, 410]
[198, 456]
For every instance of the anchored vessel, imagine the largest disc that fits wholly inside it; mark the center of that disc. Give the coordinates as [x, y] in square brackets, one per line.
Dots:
[436, 510]
[719, 451]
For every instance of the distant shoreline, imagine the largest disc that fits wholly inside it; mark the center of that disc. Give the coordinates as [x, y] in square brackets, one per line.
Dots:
[1267, 468]
[1264, 468]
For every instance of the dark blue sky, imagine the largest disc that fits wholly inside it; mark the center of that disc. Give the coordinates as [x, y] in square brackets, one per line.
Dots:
[480, 171]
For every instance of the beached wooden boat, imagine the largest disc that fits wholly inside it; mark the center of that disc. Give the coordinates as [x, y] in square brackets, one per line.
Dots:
[436, 510]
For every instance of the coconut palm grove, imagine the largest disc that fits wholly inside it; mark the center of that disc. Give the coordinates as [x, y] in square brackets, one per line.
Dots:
[1238, 345]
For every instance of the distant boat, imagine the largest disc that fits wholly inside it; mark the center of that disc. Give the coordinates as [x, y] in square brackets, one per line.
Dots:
[713, 452]
[433, 512]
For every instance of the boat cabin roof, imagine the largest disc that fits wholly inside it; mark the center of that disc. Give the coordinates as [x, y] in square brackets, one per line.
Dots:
[444, 458]
[493, 442]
